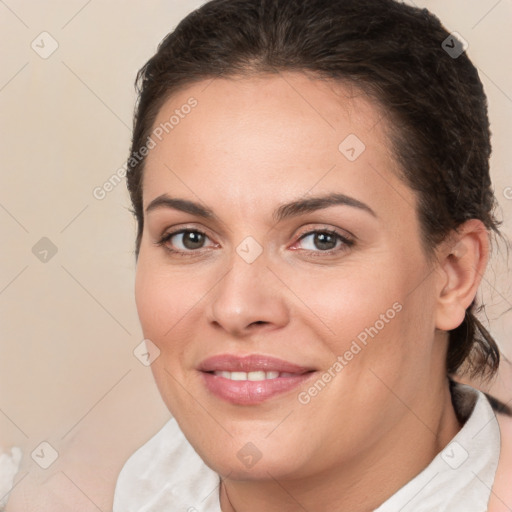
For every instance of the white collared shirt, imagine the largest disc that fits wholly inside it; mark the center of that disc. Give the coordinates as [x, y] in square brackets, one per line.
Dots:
[167, 475]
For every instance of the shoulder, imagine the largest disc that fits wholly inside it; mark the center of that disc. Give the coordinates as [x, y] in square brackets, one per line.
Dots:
[164, 472]
[501, 497]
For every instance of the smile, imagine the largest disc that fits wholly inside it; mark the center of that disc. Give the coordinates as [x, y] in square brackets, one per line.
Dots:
[251, 379]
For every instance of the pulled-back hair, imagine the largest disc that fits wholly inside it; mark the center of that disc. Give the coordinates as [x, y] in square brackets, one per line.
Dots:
[397, 55]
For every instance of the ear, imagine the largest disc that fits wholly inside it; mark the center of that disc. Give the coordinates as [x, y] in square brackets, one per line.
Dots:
[461, 263]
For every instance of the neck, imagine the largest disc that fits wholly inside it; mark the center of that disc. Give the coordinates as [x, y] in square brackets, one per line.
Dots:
[384, 468]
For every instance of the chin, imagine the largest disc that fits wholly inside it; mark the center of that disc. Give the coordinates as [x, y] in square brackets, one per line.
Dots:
[252, 457]
[266, 468]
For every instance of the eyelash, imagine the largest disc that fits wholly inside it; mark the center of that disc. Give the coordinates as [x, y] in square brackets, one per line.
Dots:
[167, 237]
[346, 242]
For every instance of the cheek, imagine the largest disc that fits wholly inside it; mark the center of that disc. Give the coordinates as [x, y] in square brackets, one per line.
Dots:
[383, 313]
[165, 304]
[349, 300]
[163, 297]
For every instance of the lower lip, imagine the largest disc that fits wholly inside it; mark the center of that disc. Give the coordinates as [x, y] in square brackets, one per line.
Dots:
[247, 392]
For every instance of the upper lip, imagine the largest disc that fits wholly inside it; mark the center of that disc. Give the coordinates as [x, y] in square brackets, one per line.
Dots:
[249, 363]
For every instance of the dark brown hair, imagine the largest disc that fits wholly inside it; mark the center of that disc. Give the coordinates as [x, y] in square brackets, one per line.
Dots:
[400, 56]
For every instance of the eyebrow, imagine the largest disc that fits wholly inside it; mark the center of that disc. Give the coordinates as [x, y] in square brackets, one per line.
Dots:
[312, 204]
[285, 211]
[183, 205]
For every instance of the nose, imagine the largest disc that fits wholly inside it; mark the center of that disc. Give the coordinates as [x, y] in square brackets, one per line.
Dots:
[248, 299]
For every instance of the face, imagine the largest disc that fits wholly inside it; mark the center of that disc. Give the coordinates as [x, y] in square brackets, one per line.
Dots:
[282, 277]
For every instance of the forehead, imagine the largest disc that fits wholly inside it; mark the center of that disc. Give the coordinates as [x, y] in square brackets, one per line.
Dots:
[269, 138]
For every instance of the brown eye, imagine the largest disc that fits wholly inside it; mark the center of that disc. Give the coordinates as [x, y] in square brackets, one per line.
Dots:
[192, 239]
[324, 241]
[321, 241]
[185, 240]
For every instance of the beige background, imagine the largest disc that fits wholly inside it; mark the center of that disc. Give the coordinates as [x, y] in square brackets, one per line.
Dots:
[69, 326]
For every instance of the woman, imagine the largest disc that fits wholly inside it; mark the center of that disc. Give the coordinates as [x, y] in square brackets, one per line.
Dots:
[311, 184]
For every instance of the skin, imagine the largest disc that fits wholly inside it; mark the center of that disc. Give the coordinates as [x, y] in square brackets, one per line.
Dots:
[251, 145]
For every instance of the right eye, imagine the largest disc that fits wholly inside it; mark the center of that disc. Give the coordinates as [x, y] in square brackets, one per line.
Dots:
[184, 241]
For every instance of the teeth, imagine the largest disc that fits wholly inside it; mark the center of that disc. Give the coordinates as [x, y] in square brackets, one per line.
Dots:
[258, 375]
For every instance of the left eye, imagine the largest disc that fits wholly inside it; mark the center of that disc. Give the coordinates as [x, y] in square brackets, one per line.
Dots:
[322, 241]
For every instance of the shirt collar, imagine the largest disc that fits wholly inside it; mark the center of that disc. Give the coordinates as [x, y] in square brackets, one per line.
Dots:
[166, 474]
[460, 477]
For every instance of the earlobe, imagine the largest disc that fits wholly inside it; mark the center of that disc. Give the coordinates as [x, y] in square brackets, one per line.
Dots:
[462, 260]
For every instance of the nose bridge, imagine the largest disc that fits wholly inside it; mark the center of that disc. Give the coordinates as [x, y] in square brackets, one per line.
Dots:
[248, 293]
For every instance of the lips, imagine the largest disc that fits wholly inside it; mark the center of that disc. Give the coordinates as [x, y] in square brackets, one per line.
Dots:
[251, 379]
[251, 363]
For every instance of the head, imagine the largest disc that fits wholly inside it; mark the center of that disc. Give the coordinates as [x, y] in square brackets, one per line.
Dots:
[331, 163]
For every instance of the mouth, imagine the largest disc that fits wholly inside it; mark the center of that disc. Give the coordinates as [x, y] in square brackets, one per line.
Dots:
[253, 379]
